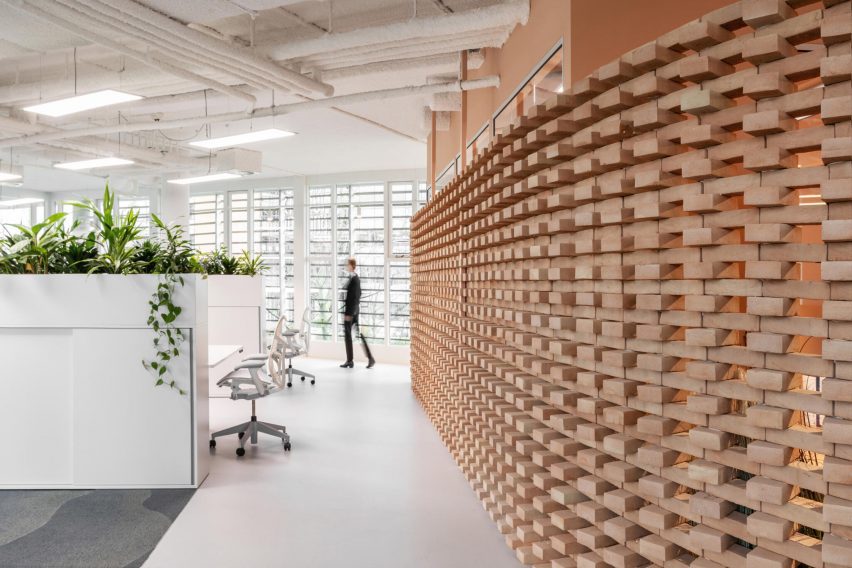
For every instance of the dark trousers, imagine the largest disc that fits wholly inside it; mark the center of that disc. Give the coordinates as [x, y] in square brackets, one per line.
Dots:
[347, 338]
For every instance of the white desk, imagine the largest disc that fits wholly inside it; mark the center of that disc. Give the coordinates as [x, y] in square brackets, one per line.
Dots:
[221, 360]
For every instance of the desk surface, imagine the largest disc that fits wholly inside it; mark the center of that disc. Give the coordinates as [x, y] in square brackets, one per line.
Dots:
[218, 353]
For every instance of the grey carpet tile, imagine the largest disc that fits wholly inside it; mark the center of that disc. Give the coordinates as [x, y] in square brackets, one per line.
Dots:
[24, 511]
[92, 529]
[169, 502]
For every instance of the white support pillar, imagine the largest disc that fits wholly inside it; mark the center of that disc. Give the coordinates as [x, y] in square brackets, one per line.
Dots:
[174, 204]
[300, 232]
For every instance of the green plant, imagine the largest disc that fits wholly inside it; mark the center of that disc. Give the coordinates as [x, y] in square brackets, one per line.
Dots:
[176, 253]
[249, 265]
[149, 256]
[117, 237]
[219, 262]
[10, 257]
[77, 253]
[37, 247]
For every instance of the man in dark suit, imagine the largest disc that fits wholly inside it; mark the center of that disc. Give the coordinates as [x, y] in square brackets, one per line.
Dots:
[350, 316]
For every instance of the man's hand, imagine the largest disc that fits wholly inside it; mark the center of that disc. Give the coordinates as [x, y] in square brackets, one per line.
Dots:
[347, 318]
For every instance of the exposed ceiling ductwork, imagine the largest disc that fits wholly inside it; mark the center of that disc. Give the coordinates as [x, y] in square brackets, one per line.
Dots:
[375, 61]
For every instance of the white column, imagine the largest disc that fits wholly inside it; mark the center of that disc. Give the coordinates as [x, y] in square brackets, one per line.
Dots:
[300, 258]
[174, 204]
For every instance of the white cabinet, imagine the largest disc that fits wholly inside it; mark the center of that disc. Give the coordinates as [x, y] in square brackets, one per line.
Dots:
[77, 408]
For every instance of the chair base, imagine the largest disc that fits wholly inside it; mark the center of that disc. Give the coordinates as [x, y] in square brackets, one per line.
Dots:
[292, 371]
[248, 431]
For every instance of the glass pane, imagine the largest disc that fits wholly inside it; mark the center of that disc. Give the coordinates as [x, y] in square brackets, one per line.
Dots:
[321, 298]
[266, 236]
[402, 195]
[541, 86]
[207, 221]
[319, 221]
[288, 234]
[400, 303]
[239, 221]
[424, 192]
[366, 243]
[17, 215]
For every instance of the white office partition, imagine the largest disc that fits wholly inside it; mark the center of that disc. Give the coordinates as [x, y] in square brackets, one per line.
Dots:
[236, 308]
[78, 408]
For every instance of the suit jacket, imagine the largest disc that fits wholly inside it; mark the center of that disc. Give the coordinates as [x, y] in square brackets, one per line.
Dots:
[353, 296]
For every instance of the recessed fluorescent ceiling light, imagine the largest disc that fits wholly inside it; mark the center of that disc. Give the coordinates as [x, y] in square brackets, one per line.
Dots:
[247, 138]
[83, 102]
[5, 176]
[90, 164]
[21, 201]
[202, 179]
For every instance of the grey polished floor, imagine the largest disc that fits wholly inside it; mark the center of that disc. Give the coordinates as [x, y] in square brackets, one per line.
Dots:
[367, 484]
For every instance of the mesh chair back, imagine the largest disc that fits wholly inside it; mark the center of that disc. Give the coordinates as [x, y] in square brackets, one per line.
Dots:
[305, 329]
[275, 362]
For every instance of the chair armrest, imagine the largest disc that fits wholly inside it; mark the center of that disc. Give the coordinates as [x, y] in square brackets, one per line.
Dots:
[290, 333]
[251, 364]
[256, 356]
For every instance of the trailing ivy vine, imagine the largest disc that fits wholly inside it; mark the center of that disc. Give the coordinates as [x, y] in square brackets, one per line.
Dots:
[167, 338]
[175, 256]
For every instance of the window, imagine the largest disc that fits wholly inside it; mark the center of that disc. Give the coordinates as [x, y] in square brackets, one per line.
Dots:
[266, 243]
[366, 242]
[142, 205]
[288, 235]
[259, 221]
[238, 225]
[371, 222]
[424, 193]
[24, 211]
[207, 221]
[320, 277]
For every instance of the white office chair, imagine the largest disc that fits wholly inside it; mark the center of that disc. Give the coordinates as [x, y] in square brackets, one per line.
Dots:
[288, 343]
[249, 381]
[297, 343]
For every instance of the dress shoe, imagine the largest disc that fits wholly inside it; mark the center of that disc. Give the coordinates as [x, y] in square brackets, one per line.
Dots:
[347, 365]
[371, 363]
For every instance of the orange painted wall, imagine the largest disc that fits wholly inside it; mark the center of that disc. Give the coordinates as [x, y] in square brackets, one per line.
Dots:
[607, 28]
[594, 32]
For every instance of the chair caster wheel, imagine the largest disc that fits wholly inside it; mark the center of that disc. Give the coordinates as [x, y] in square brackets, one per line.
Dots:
[212, 443]
[240, 435]
[313, 381]
[241, 452]
[303, 379]
[287, 446]
[289, 385]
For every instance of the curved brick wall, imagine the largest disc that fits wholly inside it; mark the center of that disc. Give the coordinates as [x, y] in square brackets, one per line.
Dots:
[632, 314]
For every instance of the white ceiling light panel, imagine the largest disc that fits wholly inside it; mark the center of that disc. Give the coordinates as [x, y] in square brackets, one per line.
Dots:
[70, 105]
[238, 139]
[91, 164]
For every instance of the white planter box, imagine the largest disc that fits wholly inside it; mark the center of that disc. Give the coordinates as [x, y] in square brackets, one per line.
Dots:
[77, 408]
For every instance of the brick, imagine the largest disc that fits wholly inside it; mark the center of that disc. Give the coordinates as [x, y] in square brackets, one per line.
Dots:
[759, 13]
[766, 48]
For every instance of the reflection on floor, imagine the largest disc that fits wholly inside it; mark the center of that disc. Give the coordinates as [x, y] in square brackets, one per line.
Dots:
[367, 484]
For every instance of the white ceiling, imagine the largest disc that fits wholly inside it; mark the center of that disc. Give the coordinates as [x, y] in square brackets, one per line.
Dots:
[41, 60]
